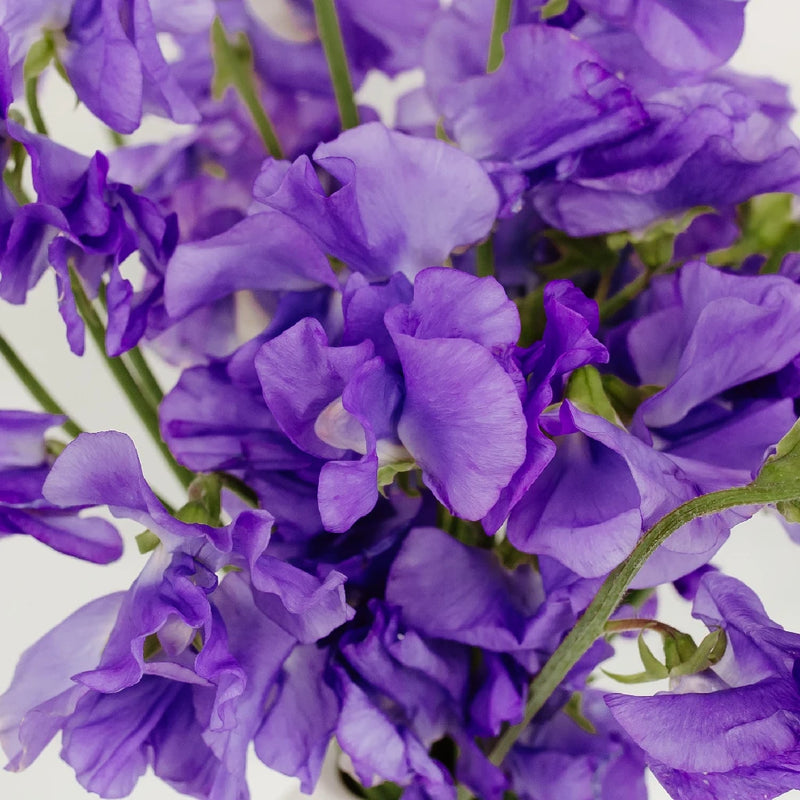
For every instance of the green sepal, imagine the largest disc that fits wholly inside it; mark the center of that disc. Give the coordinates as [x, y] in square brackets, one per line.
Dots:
[767, 227]
[781, 471]
[441, 133]
[573, 709]
[638, 677]
[651, 664]
[206, 489]
[585, 254]
[39, 55]
[706, 654]
[655, 245]
[531, 316]
[381, 791]
[626, 398]
[147, 541]
[654, 670]
[585, 389]
[679, 648]
[553, 9]
[387, 473]
[194, 511]
[151, 646]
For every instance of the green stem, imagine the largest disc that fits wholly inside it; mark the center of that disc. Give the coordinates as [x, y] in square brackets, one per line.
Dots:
[592, 623]
[330, 35]
[234, 67]
[146, 377]
[147, 414]
[32, 384]
[624, 296]
[484, 258]
[32, 99]
[500, 24]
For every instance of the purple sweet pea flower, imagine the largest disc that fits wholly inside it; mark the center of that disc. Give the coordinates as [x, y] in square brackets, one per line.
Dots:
[694, 132]
[585, 103]
[568, 343]
[463, 427]
[683, 35]
[738, 737]
[440, 199]
[114, 60]
[86, 220]
[24, 467]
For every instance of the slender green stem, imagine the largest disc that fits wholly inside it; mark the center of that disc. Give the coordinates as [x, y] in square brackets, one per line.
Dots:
[234, 67]
[624, 296]
[330, 35]
[147, 379]
[32, 99]
[484, 258]
[266, 130]
[34, 386]
[592, 623]
[500, 24]
[12, 177]
[147, 414]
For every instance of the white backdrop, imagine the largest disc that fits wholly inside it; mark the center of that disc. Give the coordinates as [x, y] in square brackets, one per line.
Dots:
[38, 587]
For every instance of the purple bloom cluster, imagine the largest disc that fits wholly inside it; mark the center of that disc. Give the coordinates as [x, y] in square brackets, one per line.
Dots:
[438, 380]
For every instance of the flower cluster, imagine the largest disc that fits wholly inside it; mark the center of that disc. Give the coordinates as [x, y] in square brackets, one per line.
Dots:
[454, 395]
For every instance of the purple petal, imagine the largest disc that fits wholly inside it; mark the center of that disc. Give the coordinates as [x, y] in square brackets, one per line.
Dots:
[266, 251]
[439, 199]
[463, 425]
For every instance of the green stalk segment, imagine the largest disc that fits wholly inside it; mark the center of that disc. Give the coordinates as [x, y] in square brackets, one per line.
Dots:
[137, 398]
[233, 66]
[500, 24]
[592, 623]
[330, 35]
[34, 386]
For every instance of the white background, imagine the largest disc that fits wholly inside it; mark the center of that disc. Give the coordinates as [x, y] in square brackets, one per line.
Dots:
[38, 587]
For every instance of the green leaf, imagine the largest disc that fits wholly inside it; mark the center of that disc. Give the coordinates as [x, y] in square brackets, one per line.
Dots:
[573, 709]
[147, 541]
[553, 8]
[585, 390]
